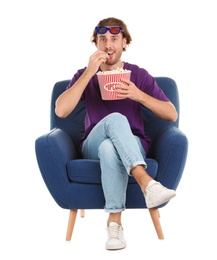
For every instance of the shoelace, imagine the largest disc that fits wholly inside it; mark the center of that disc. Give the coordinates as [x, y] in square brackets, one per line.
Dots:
[156, 188]
[114, 231]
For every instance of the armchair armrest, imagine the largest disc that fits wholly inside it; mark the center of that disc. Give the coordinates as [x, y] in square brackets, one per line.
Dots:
[170, 150]
[53, 151]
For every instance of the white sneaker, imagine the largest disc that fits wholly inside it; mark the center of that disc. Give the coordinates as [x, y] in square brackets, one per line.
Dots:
[116, 238]
[156, 194]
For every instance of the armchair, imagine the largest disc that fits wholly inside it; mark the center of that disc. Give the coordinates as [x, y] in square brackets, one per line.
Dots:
[75, 183]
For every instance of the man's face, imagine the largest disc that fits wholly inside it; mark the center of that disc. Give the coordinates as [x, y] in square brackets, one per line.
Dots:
[112, 44]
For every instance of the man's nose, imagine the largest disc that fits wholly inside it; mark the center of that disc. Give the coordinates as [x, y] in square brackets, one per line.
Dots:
[108, 44]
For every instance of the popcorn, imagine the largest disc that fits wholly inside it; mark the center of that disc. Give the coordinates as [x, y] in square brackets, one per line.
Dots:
[110, 80]
[118, 70]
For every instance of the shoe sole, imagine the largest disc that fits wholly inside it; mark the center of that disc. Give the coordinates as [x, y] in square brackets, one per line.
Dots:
[115, 248]
[164, 201]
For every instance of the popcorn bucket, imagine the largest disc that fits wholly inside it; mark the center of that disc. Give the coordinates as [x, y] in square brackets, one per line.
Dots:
[109, 82]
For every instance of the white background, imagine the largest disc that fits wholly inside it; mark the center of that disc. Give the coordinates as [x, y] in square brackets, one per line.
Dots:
[45, 41]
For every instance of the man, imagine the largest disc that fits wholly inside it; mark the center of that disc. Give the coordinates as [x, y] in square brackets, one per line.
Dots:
[114, 130]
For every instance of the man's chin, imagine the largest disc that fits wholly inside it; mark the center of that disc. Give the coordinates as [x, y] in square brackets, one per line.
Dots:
[109, 62]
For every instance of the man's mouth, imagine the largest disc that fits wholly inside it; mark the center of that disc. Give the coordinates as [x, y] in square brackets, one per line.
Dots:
[110, 53]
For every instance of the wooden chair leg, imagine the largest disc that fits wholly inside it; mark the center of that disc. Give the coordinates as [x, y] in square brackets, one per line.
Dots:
[155, 215]
[71, 223]
[82, 213]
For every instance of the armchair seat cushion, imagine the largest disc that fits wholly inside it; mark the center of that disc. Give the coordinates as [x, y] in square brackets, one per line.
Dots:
[88, 171]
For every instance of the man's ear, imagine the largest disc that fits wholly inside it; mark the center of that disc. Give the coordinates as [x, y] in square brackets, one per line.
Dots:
[124, 43]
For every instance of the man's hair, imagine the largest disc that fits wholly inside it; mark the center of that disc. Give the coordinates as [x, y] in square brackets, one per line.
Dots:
[112, 21]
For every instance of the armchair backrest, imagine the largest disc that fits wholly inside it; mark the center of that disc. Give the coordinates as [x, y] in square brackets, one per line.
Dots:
[74, 123]
[153, 124]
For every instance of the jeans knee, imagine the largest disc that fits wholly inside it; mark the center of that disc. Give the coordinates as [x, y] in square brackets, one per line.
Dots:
[116, 115]
[117, 119]
[106, 149]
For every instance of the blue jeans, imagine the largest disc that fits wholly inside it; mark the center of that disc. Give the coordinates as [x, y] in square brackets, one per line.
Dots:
[113, 143]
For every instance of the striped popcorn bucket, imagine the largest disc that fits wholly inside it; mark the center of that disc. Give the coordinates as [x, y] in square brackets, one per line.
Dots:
[108, 83]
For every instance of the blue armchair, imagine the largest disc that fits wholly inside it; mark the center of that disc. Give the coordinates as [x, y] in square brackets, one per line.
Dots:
[75, 183]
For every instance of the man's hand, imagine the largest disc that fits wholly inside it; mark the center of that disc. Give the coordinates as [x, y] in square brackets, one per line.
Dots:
[128, 90]
[95, 60]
